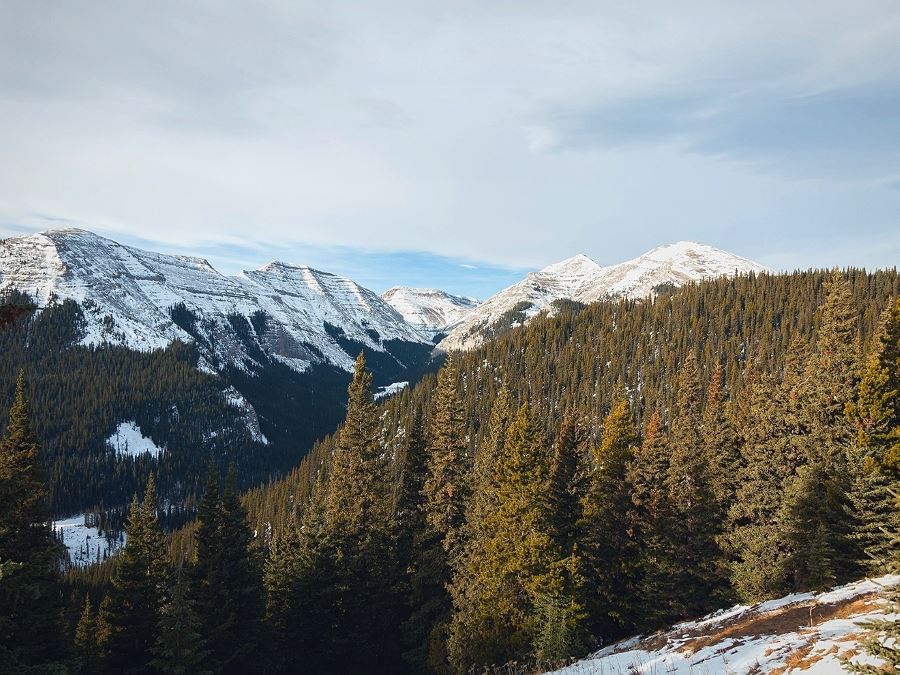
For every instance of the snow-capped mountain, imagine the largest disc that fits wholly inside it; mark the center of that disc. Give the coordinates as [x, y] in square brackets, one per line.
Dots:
[581, 279]
[431, 310]
[297, 315]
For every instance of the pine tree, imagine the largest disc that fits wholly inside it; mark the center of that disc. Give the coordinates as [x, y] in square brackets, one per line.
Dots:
[698, 559]
[303, 593]
[563, 488]
[30, 600]
[180, 647]
[133, 611]
[236, 634]
[875, 414]
[445, 492]
[515, 594]
[447, 487]
[772, 430]
[875, 507]
[86, 638]
[827, 392]
[649, 523]
[882, 641]
[608, 552]
[721, 445]
[359, 527]
[874, 494]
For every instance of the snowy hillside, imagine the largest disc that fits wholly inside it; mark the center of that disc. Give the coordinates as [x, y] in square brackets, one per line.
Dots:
[581, 279]
[799, 633]
[431, 310]
[297, 315]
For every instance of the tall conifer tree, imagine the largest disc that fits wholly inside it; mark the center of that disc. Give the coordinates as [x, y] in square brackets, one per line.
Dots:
[698, 559]
[608, 552]
[30, 599]
[137, 591]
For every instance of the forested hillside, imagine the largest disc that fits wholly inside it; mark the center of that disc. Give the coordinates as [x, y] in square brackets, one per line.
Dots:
[262, 420]
[601, 472]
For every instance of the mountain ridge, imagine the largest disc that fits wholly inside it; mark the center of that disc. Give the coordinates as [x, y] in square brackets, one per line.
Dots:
[581, 279]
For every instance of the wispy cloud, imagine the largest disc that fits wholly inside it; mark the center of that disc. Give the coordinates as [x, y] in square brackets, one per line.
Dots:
[516, 134]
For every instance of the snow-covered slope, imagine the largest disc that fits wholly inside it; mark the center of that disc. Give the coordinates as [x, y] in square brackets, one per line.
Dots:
[429, 309]
[806, 633]
[297, 315]
[581, 279]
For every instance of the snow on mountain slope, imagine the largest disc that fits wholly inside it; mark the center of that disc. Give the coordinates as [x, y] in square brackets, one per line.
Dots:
[523, 300]
[431, 310]
[581, 279]
[806, 633]
[676, 264]
[297, 314]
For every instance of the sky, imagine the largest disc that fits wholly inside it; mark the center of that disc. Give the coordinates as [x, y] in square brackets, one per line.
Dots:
[456, 144]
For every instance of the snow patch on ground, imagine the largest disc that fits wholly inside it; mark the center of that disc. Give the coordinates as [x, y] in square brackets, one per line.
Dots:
[129, 440]
[86, 544]
[805, 632]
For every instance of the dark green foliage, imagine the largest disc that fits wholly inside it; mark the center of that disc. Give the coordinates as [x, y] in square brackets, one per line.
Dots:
[356, 570]
[132, 613]
[227, 581]
[515, 595]
[30, 593]
[565, 489]
[606, 547]
[85, 642]
[692, 499]
[180, 647]
[882, 641]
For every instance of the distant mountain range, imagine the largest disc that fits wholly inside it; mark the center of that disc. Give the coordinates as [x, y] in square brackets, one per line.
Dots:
[580, 279]
[275, 345]
[301, 316]
[428, 309]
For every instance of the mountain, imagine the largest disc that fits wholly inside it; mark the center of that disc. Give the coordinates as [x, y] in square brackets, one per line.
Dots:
[293, 314]
[431, 310]
[808, 632]
[580, 279]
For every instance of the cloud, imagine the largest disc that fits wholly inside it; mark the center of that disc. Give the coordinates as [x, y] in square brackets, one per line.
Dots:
[517, 134]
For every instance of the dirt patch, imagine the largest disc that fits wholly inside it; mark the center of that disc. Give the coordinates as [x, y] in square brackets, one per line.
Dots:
[787, 619]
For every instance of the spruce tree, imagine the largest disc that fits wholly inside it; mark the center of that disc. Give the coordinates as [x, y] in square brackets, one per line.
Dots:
[772, 430]
[882, 641]
[563, 488]
[826, 393]
[874, 504]
[359, 527]
[180, 646]
[874, 494]
[304, 593]
[721, 445]
[236, 635]
[445, 494]
[86, 638]
[31, 632]
[422, 556]
[447, 486]
[649, 523]
[132, 614]
[698, 560]
[515, 595]
[875, 414]
[608, 552]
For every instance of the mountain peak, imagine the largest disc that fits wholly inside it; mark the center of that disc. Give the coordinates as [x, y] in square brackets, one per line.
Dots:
[577, 264]
[581, 279]
[429, 309]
